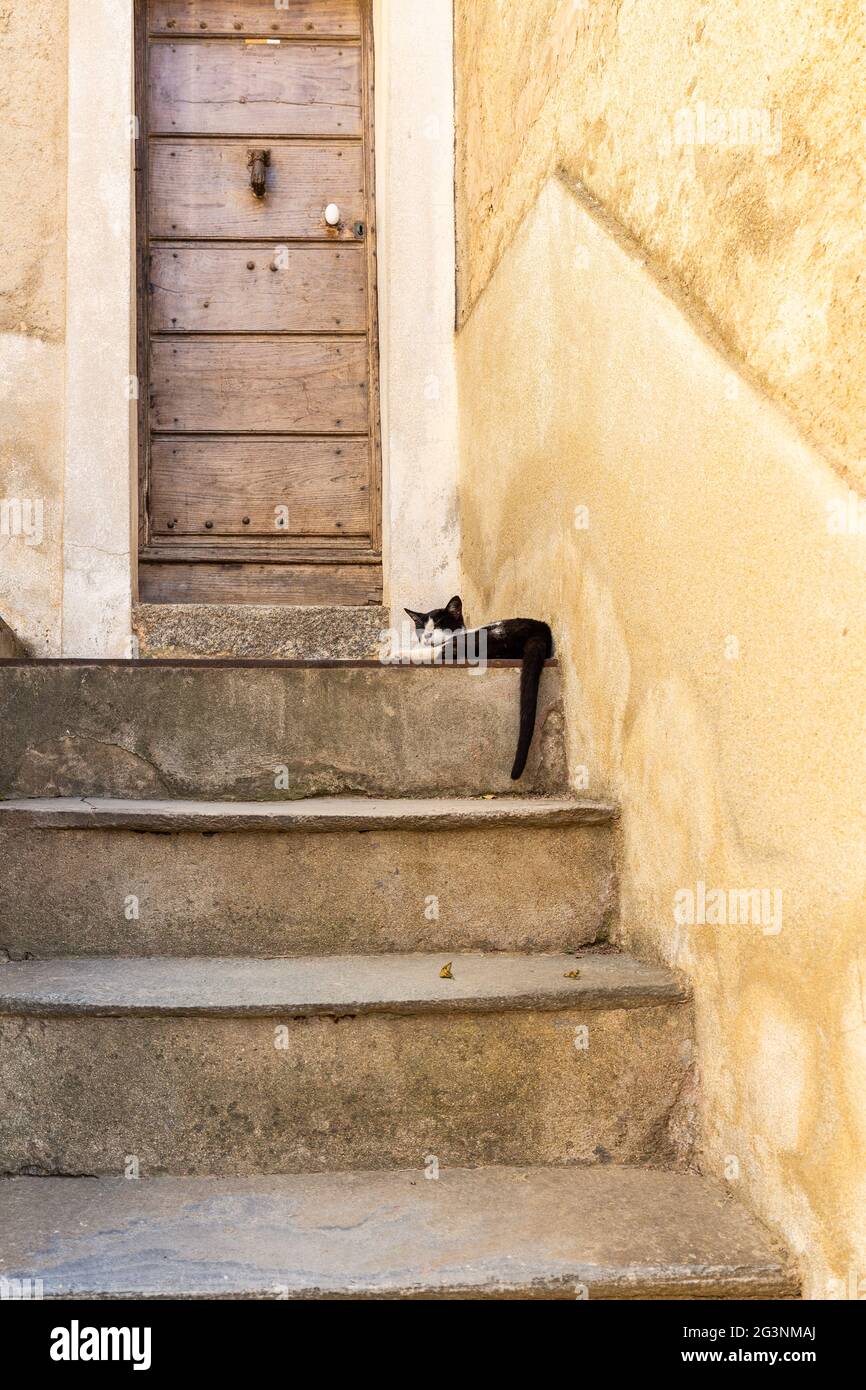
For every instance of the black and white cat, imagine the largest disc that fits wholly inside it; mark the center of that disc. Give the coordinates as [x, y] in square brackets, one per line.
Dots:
[515, 639]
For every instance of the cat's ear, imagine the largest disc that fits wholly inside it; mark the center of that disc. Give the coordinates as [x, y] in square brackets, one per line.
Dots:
[454, 608]
[419, 619]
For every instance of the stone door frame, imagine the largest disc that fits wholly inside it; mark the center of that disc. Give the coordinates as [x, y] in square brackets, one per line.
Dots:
[415, 213]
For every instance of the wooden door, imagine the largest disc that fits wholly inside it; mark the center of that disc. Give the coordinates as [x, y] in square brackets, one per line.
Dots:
[258, 420]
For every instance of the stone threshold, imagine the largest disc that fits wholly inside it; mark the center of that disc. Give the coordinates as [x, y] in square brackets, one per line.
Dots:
[311, 633]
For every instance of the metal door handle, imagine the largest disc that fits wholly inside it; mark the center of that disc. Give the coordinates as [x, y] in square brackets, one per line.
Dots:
[258, 161]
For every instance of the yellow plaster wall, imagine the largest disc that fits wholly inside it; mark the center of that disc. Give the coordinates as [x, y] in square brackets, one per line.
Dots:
[728, 138]
[711, 616]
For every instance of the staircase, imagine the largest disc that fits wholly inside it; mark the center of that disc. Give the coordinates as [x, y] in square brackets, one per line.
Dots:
[299, 1000]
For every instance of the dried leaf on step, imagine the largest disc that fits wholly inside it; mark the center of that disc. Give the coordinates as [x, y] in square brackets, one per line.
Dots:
[572, 975]
[445, 972]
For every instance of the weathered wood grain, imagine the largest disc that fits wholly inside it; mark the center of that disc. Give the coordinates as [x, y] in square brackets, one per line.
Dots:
[296, 385]
[260, 487]
[213, 87]
[302, 18]
[201, 188]
[258, 331]
[254, 288]
[251, 583]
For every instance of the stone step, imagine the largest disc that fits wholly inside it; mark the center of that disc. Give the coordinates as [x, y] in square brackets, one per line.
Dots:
[275, 731]
[232, 1067]
[317, 814]
[597, 1233]
[333, 986]
[109, 877]
[259, 631]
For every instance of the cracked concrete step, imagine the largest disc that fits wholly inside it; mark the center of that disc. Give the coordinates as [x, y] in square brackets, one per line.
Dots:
[301, 877]
[234, 1067]
[270, 730]
[602, 1233]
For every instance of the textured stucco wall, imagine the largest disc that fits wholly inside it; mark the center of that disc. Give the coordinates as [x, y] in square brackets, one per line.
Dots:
[33, 60]
[727, 138]
[709, 606]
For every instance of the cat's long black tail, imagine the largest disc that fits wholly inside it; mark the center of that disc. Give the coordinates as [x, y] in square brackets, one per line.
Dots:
[535, 653]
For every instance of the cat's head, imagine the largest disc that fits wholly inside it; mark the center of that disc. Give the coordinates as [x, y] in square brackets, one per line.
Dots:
[438, 620]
